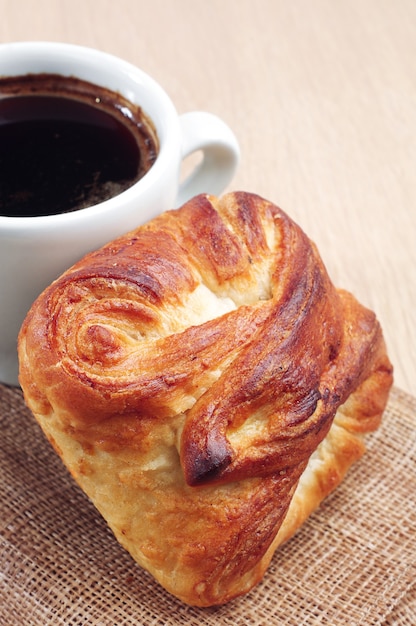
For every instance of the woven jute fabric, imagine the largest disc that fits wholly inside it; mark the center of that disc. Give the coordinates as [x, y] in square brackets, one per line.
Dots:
[352, 563]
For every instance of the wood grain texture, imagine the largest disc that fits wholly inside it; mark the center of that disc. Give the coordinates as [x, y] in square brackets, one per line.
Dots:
[322, 97]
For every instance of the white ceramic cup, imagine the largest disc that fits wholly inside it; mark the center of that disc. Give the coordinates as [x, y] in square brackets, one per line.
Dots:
[36, 250]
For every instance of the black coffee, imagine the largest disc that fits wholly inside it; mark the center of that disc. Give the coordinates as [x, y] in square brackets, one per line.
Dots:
[66, 144]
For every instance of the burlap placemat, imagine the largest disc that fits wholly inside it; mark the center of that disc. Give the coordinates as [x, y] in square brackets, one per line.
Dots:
[352, 563]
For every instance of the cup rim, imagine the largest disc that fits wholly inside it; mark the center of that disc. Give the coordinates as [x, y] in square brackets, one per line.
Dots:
[166, 125]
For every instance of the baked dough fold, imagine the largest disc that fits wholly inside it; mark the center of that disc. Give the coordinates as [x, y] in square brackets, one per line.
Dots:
[207, 386]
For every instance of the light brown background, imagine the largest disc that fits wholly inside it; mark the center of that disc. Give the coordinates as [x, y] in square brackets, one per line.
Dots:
[322, 97]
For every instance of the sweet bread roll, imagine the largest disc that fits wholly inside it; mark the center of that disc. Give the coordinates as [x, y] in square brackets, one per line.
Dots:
[207, 386]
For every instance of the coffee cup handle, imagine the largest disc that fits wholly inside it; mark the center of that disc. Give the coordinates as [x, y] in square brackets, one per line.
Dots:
[206, 133]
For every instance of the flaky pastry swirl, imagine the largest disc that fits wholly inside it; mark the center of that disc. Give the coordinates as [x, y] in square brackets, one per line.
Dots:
[206, 385]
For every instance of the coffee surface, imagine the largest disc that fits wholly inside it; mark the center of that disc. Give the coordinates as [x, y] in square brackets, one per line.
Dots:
[66, 144]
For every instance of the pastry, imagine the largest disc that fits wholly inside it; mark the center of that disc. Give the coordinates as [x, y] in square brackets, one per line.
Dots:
[207, 386]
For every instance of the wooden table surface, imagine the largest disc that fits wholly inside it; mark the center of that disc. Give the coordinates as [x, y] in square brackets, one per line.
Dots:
[322, 97]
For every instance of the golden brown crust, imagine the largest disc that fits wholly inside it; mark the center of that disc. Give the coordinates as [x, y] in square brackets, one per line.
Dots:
[207, 386]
